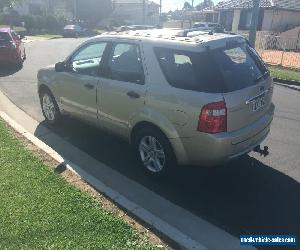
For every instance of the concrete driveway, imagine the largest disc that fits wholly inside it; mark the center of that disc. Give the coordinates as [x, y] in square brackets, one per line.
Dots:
[250, 195]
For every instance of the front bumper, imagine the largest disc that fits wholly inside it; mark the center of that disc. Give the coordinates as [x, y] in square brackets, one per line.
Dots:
[214, 149]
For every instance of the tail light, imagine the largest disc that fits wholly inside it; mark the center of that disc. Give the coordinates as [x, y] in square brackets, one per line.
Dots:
[213, 118]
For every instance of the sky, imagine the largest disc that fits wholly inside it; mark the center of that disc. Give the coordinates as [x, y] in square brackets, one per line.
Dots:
[177, 4]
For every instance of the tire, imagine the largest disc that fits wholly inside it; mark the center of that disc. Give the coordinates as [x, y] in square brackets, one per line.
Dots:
[24, 56]
[20, 65]
[157, 159]
[49, 107]
[20, 62]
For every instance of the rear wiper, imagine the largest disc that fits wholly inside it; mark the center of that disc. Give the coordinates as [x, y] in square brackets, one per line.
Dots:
[261, 76]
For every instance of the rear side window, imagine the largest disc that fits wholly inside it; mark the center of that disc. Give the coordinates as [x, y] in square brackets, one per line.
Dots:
[214, 71]
[4, 37]
[189, 70]
[125, 63]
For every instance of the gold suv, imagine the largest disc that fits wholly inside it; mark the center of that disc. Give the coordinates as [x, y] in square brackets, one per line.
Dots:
[199, 100]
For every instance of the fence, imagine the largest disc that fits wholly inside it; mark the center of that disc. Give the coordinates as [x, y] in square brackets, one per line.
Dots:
[279, 50]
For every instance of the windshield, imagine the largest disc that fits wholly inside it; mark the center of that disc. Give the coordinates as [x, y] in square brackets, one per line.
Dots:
[215, 71]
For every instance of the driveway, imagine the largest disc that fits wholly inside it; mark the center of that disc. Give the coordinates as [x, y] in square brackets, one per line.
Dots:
[250, 195]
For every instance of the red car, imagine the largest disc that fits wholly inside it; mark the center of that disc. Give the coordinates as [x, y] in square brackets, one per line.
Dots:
[12, 50]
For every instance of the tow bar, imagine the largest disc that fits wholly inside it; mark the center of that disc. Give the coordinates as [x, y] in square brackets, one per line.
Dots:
[263, 152]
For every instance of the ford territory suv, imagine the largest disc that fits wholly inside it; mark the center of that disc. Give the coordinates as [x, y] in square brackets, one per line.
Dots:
[200, 100]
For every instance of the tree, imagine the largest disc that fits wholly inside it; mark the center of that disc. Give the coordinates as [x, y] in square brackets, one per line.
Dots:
[8, 3]
[90, 11]
[205, 4]
[187, 6]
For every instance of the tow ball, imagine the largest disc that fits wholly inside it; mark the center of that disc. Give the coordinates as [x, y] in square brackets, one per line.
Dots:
[263, 152]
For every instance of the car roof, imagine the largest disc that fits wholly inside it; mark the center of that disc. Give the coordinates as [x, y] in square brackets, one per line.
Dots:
[5, 29]
[172, 37]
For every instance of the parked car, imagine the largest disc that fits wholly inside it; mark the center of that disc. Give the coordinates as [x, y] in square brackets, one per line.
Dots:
[190, 101]
[73, 30]
[205, 26]
[135, 27]
[12, 50]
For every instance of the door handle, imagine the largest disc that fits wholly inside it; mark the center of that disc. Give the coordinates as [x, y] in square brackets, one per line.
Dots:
[133, 95]
[89, 86]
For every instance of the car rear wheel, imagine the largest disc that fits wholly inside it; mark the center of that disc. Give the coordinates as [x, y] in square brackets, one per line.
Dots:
[154, 152]
[49, 107]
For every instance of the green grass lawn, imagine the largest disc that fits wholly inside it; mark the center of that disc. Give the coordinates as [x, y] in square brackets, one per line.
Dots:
[285, 73]
[40, 210]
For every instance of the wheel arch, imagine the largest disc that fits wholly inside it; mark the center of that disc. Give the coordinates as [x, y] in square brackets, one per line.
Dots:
[45, 88]
[42, 88]
[145, 124]
[175, 143]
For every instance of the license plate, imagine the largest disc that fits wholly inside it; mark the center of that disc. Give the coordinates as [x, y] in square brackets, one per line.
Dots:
[258, 103]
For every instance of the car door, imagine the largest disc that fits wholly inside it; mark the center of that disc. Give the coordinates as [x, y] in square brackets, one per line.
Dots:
[123, 87]
[77, 88]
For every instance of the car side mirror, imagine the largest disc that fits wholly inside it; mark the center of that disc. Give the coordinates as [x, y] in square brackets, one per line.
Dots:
[60, 67]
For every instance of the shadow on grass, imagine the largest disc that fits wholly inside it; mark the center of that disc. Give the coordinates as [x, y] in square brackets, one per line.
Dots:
[242, 197]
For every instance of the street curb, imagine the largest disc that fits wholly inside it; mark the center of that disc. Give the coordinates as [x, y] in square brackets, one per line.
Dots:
[294, 87]
[286, 82]
[170, 232]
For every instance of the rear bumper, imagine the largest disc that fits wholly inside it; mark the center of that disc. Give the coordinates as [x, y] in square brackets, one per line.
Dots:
[213, 149]
[9, 57]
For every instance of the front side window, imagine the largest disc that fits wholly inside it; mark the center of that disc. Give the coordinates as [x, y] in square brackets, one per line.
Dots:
[214, 71]
[87, 60]
[125, 63]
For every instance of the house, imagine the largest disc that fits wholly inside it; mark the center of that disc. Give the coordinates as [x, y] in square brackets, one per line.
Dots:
[136, 11]
[274, 15]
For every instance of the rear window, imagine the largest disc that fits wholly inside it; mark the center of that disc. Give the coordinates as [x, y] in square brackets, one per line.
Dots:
[4, 37]
[214, 71]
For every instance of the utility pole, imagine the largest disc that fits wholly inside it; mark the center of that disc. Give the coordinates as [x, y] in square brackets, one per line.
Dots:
[144, 11]
[193, 4]
[160, 11]
[75, 9]
[254, 22]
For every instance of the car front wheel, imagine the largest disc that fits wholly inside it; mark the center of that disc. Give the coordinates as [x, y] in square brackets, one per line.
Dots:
[49, 107]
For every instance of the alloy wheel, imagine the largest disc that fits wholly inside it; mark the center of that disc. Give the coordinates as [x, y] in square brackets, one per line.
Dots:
[152, 154]
[48, 107]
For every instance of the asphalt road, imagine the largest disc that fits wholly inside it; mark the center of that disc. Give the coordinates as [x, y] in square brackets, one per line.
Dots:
[250, 195]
